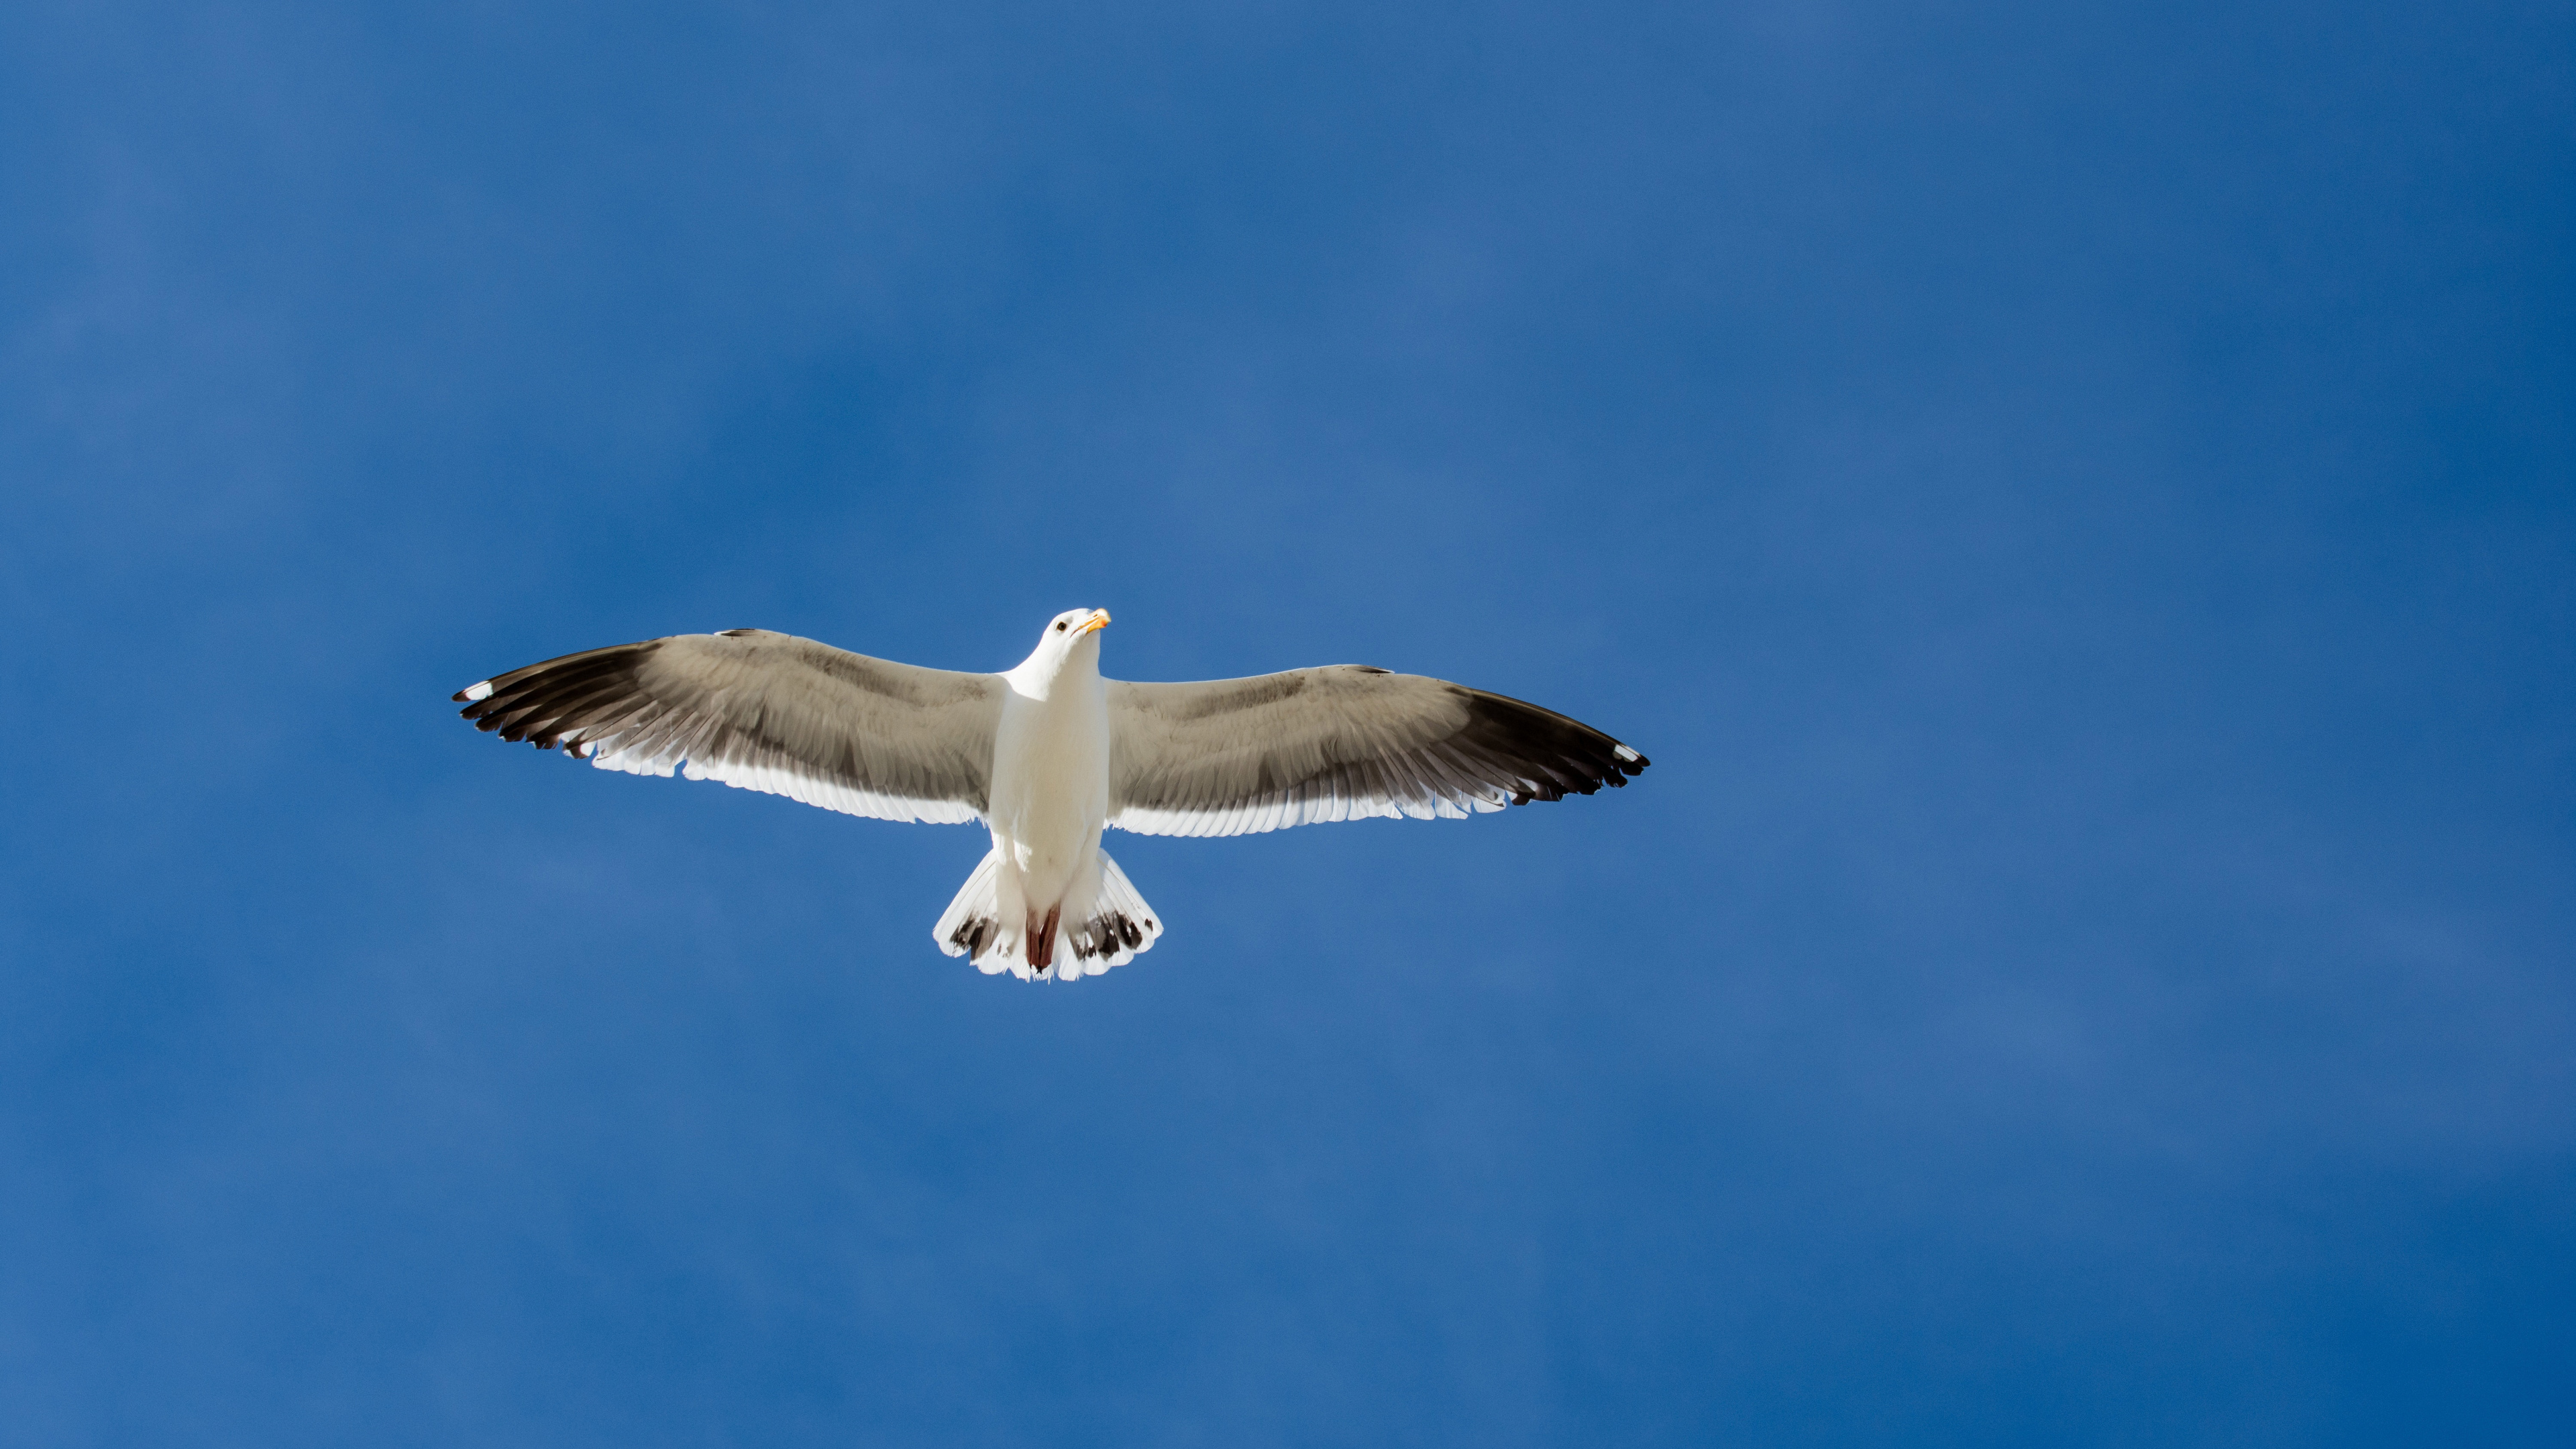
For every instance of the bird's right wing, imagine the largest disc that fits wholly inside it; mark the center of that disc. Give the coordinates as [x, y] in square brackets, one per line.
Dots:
[763, 711]
[1344, 742]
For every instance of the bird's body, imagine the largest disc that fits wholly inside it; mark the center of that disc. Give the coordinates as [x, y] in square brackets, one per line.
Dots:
[1046, 755]
[1050, 795]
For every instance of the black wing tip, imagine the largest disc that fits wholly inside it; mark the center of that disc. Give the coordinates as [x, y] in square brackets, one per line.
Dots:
[539, 703]
[1554, 755]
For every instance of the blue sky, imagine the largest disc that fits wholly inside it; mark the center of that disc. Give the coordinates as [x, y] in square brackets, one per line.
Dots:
[2078, 502]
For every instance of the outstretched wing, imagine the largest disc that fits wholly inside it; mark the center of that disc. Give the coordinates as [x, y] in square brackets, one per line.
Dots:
[763, 711]
[1345, 742]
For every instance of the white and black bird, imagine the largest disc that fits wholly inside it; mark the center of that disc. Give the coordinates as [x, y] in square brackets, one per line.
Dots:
[1046, 754]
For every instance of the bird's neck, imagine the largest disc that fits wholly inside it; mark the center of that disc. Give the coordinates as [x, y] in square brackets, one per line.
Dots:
[1039, 677]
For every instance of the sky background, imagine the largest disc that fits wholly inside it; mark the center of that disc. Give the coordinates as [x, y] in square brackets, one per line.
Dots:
[2077, 502]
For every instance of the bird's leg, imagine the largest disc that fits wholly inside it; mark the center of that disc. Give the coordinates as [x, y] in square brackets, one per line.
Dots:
[1042, 939]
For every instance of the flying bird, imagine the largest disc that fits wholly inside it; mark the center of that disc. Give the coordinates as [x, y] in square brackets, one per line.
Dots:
[1046, 754]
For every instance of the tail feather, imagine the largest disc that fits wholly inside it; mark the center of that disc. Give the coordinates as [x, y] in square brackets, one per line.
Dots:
[972, 925]
[1102, 923]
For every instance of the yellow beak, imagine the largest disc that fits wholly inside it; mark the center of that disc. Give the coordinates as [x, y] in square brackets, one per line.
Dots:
[1099, 620]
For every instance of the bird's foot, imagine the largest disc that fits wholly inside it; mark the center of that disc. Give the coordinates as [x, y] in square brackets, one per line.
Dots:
[1041, 938]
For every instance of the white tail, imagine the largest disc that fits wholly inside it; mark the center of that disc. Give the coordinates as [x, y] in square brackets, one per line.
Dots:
[1102, 923]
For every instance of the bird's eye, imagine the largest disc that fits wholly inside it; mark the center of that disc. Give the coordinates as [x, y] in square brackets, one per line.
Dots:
[1059, 626]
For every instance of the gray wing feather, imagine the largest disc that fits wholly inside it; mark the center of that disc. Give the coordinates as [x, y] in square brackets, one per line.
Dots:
[762, 711]
[1343, 742]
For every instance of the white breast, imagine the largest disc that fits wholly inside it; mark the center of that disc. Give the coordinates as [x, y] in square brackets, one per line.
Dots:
[1051, 781]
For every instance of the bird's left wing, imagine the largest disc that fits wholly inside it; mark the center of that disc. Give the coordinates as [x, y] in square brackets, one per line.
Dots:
[763, 711]
[1344, 742]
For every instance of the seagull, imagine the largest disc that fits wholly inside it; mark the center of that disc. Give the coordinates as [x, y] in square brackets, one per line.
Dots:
[1046, 754]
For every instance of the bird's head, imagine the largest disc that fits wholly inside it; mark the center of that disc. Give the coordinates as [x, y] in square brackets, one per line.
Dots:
[1064, 636]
